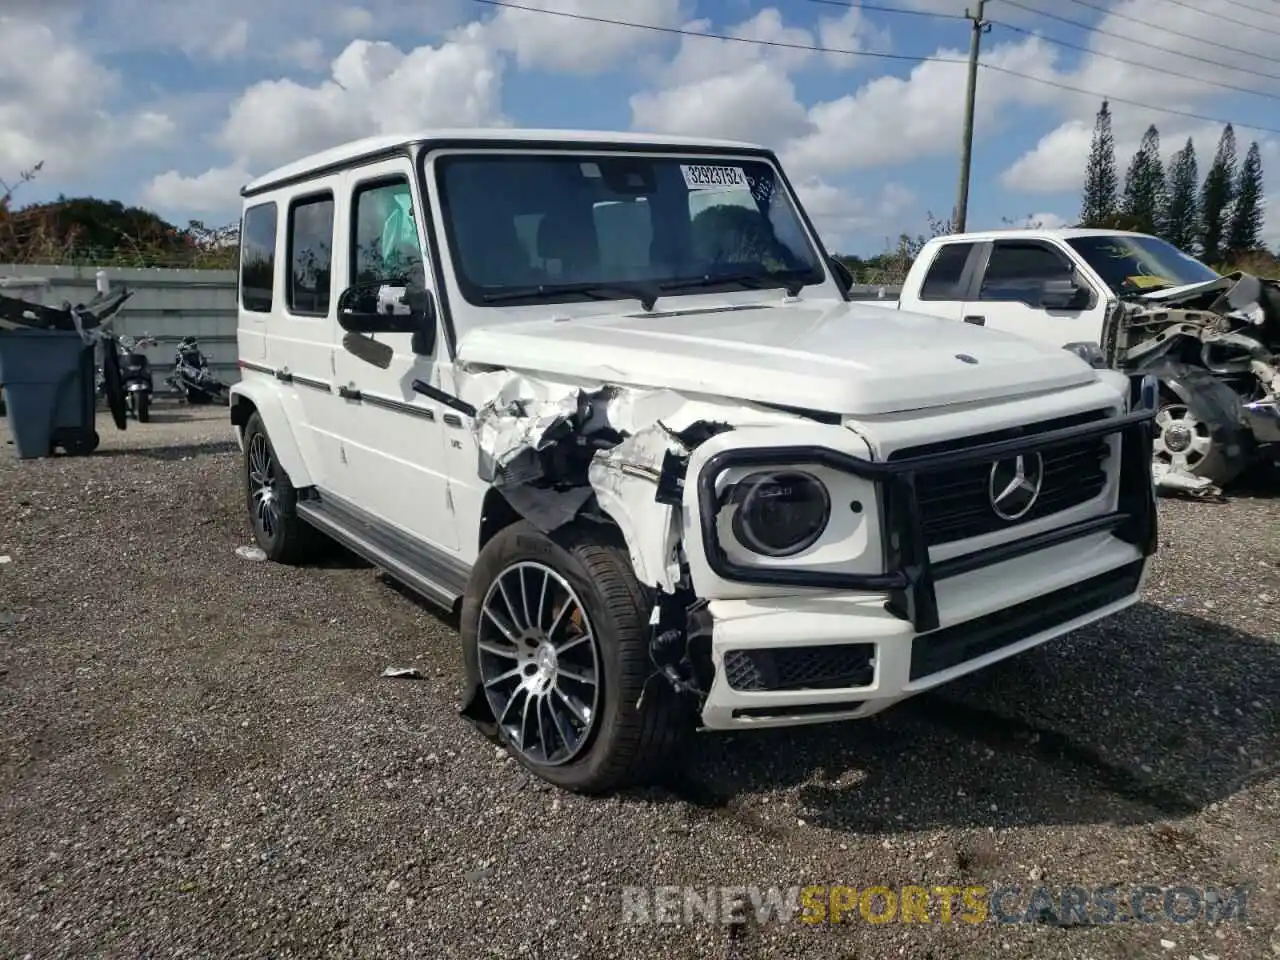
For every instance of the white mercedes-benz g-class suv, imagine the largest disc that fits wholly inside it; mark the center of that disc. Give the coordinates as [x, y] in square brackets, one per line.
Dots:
[607, 393]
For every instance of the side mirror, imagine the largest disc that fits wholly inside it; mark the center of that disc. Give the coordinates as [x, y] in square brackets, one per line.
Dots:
[1064, 295]
[387, 306]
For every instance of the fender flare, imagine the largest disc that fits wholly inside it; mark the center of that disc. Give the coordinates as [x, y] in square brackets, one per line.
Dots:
[252, 395]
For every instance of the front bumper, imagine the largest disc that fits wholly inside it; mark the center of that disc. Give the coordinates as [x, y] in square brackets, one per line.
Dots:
[991, 613]
[921, 622]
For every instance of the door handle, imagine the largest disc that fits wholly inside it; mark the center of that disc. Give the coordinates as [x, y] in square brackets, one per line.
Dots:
[348, 393]
[976, 320]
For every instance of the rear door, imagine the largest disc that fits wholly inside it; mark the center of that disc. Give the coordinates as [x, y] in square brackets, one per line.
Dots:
[301, 321]
[1008, 294]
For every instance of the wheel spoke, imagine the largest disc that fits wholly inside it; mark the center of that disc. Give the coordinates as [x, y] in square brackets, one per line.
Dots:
[555, 624]
[565, 738]
[504, 628]
[575, 708]
[542, 596]
[524, 721]
[542, 730]
[572, 642]
[513, 672]
[511, 607]
[576, 677]
[511, 702]
[498, 651]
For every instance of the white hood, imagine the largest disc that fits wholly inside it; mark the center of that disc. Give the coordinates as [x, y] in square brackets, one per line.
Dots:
[837, 357]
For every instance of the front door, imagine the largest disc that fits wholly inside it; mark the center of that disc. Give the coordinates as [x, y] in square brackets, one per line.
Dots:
[1010, 289]
[391, 438]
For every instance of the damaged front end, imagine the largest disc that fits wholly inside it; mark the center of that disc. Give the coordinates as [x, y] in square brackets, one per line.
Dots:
[1216, 349]
[559, 451]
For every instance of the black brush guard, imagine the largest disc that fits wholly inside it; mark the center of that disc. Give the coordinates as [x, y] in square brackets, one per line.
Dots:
[909, 576]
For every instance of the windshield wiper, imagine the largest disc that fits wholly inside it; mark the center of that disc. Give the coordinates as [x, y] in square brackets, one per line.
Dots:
[647, 295]
[792, 281]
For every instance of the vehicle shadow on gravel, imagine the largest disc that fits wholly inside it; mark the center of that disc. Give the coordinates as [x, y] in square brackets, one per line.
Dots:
[1150, 715]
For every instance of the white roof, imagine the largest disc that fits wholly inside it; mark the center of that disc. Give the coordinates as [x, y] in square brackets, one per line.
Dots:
[385, 142]
[1063, 233]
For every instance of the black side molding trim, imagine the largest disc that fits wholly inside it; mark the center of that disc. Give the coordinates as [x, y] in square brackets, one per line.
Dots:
[257, 367]
[448, 399]
[398, 406]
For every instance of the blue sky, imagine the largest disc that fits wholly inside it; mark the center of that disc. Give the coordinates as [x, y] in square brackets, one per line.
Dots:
[175, 110]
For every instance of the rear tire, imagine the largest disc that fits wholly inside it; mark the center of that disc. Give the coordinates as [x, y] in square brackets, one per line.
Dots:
[272, 501]
[627, 740]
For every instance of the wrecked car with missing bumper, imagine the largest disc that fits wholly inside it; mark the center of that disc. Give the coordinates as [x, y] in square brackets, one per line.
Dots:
[606, 394]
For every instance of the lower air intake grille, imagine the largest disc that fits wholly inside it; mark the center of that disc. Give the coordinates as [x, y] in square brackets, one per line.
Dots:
[827, 667]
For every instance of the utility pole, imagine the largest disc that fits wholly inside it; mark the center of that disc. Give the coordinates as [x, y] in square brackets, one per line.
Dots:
[980, 26]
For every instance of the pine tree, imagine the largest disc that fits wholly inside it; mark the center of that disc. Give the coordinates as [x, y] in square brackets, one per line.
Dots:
[1144, 184]
[1100, 181]
[1216, 198]
[1246, 217]
[1179, 222]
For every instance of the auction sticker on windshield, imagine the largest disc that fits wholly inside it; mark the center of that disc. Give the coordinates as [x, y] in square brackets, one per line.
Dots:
[703, 177]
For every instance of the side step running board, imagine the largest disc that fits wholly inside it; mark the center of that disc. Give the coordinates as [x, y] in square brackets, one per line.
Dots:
[436, 578]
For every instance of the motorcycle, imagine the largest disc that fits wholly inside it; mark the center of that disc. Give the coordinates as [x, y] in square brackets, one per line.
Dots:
[133, 369]
[192, 376]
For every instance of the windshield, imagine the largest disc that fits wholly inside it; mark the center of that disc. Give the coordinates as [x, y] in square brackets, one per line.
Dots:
[577, 227]
[1140, 264]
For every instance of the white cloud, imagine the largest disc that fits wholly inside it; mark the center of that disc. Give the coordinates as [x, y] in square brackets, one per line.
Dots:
[741, 90]
[375, 88]
[893, 119]
[56, 104]
[211, 192]
[544, 41]
[839, 215]
[1057, 161]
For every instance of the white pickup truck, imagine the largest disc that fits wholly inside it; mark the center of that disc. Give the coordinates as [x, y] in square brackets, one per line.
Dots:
[1136, 303]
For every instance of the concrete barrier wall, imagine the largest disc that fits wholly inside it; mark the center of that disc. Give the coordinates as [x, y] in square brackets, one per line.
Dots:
[166, 304]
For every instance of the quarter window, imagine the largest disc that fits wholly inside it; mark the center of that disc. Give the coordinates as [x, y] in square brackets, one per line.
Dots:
[310, 256]
[258, 257]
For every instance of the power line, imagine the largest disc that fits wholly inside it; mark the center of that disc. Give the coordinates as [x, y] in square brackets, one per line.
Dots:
[1132, 103]
[655, 28]
[1143, 43]
[1147, 25]
[680, 32]
[904, 11]
[1129, 63]
[1226, 19]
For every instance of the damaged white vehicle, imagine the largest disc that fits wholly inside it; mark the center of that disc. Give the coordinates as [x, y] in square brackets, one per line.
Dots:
[606, 393]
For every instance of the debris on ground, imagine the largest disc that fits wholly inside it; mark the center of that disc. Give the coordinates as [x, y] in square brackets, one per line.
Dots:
[250, 552]
[402, 673]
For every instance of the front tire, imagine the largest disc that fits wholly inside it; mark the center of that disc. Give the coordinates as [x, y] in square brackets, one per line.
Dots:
[555, 635]
[1188, 442]
[272, 501]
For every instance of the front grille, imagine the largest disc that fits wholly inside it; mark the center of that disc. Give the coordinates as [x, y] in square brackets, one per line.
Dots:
[950, 646]
[825, 667]
[955, 504]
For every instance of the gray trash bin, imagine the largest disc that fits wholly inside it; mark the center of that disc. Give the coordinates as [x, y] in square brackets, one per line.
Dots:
[47, 377]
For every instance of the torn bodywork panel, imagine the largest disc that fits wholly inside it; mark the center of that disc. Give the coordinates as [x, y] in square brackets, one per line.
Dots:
[557, 450]
[1215, 347]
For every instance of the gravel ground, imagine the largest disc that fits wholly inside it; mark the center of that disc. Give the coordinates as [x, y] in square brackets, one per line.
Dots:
[200, 758]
